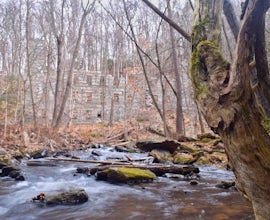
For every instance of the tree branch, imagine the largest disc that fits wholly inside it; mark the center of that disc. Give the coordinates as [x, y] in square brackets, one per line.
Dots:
[231, 18]
[170, 22]
[138, 46]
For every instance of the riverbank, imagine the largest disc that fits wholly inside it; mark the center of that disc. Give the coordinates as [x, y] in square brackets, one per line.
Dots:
[204, 149]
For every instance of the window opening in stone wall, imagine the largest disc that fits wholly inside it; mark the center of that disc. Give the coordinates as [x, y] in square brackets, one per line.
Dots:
[75, 95]
[76, 80]
[89, 96]
[88, 114]
[74, 115]
[129, 98]
[116, 98]
[102, 81]
[89, 80]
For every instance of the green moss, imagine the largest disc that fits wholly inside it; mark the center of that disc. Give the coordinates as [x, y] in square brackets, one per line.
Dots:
[198, 32]
[203, 161]
[189, 148]
[206, 140]
[198, 68]
[195, 68]
[95, 135]
[266, 124]
[182, 158]
[133, 173]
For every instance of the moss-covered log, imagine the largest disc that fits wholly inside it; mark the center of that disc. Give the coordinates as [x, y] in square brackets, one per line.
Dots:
[156, 169]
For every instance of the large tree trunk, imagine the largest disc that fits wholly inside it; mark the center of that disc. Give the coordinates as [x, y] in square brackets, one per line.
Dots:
[227, 100]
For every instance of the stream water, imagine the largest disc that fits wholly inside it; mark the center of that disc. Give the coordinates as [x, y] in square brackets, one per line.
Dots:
[166, 198]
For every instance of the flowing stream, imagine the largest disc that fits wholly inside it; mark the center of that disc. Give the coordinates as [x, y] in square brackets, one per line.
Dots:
[166, 198]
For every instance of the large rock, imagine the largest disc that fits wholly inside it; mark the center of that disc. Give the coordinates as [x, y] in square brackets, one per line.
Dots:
[39, 154]
[8, 169]
[12, 172]
[71, 197]
[161, 156]
[203, 161]
[5, 157]
[167, 145]
[183, 158]
[126, 175]
[189, 148]
[3, 165]
[218, 157]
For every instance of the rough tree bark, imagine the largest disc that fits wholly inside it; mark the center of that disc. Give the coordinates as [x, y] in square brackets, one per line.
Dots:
[59, 37]
[180, 125]
[227, 99]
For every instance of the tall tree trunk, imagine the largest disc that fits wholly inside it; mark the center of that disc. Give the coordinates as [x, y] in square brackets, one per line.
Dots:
[28, 62]
[70, 72]
[166, 128]
[180, 129]
[59, 37]
[60, 46]
[227, 101]
[46, 90]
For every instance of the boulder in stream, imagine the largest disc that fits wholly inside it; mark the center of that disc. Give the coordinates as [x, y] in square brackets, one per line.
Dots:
[126, 175]
[12, 172]
[39, 154]
[183, 158]
[6, 170]
[5, 157]
[161, 156]
[71, 197]
[168, 145]
[226, 185]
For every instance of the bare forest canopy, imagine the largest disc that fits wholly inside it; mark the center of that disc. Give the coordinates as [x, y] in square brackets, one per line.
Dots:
[70, 62]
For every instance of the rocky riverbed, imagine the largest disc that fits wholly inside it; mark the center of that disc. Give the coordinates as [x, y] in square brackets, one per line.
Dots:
[166, 196]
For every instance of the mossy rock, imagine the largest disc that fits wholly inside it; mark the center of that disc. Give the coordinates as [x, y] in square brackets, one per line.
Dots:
[218, 157]
[126, 175]
[5, 157]
[71, 197]
[161, 156]
[39, 153]
[206, 140]
[203, 161]
[189, 148]
[183, 158]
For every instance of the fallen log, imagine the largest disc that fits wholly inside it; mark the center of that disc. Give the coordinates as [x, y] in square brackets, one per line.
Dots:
[118, 162]
[158, 170]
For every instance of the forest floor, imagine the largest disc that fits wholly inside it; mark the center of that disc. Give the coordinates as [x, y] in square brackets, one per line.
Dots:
[18, 142]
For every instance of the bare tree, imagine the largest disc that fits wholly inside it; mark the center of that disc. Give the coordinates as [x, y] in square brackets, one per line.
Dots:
[180, 128]
[59, 36]
[27, 27]
[144, 67]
